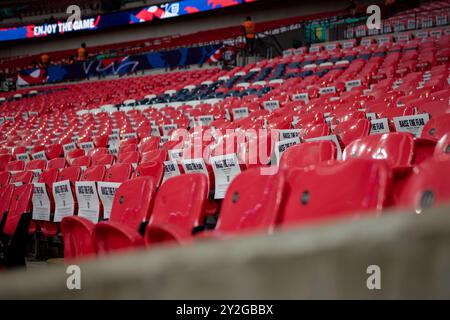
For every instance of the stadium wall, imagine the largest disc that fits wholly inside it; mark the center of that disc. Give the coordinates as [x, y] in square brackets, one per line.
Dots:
[267, 10]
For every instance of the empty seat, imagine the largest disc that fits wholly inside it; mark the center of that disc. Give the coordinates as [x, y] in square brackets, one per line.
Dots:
[154, 170]
[428, 186]
[128, 157]
[6, 193]
[54, 151]
[178, 208]
[83, 161]
[22, 177]
[329, 191]
[396, 148]
[131, 207]
[435, 128]
[17, 165]
[102, 159]
[349, 131]
[118, 173]
[308, 153]
[252, 203]
[4, 178]
[77, 237]
[159, 155]
[36, 165]
[442, 149]
[95, 173]
[15, 228]
[56, 163]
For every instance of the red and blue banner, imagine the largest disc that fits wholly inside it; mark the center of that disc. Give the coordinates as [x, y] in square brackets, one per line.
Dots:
[120, 65]
[135, 16]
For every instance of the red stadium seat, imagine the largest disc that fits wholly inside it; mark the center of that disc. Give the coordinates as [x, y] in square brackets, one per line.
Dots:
[102, 159]
[154, 170]
[118, 173]
[252, 203]
[131, 207]
[56, 163]
[17, 165]
[308, 153]
[16, 224]
[178, 208]
[435, 128]
[396, 148]
[442, 149]
[4, 178]
[427, 186]
[22, 177]
[325, 191]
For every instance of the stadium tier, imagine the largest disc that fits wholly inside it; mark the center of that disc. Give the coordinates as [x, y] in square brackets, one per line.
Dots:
[228, 133]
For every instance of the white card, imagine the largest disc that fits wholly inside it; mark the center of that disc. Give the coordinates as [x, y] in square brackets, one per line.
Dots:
[327, 90]
[330, 138]
[129, 135]
[271, 105]
[289, 134]
[86, 146]
[413, 124]
[281, 147]
[64, 201]
[170, 170]
[226, 168]
[88, 202]
[168, 127]
[371, 115]
[113, 139]
[205, 120]
[300, 97]
[175, 154]
[36, 173]
[349, 85]
[41, 202]
[106, 192]
[69, 147]
[239, 113]
[379, 126]
[23, 156]
[194, 166]
[155, 131]
[39, 156]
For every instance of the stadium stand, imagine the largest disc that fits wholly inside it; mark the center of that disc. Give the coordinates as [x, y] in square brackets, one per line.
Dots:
[319, 133]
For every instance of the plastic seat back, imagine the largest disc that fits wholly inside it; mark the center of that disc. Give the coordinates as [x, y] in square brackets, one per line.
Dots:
[17, 165]
[118, 173]
[427, 186]
[96, 173]
[159, 155]
[6, 193]
[83, 161]
[349, 131]
[308, 153]
[178, 208]
[155, 170]
[57, 163]
[20, 205]
[128, 157]
[4, 178]
[396, 148]
[22, 177]
[435, 128]
[252, 202]
[36, 165]
[102, 159]
[325, 191]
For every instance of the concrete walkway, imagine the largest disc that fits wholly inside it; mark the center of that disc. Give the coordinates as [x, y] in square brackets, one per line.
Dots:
[328, 261]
